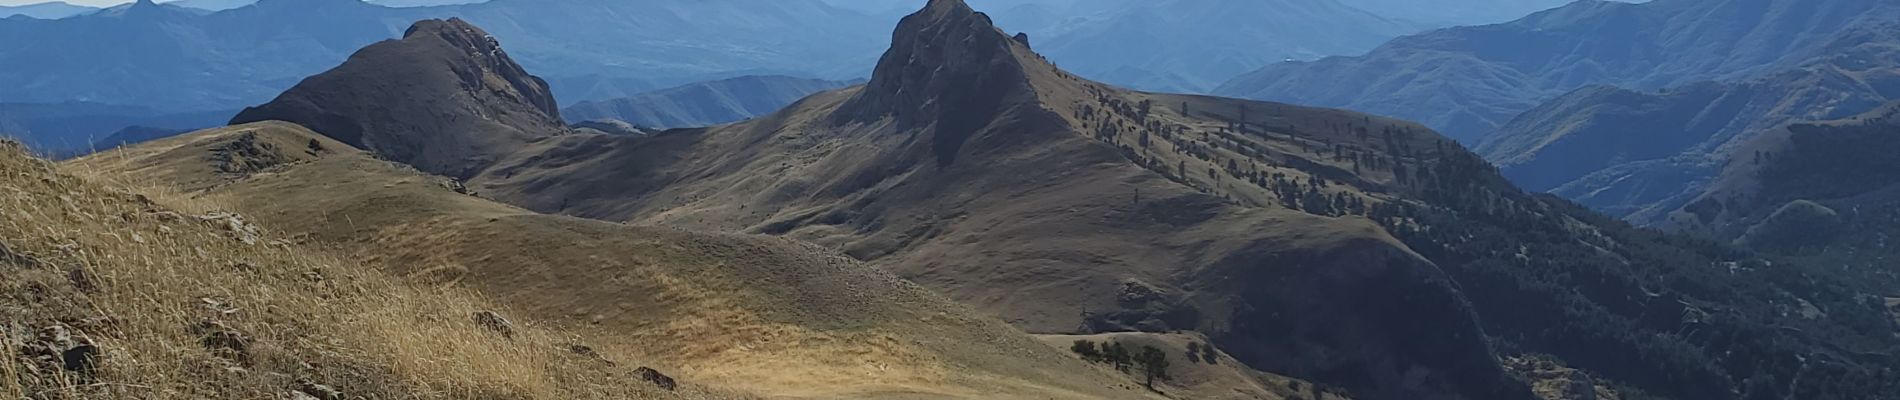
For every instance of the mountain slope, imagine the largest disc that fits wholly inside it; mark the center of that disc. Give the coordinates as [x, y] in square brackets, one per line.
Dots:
[1455, 12]
[760, 315]
[185, 59]
[441, 98]
[47, 10]
[704, 103]
[180, 59]
[1361, 252]
[1192, 46]
[955, 105]
[1467, 81]
[212, 5]
[149, 294]
[1642, 155]
[74, 127]
[1823, 191]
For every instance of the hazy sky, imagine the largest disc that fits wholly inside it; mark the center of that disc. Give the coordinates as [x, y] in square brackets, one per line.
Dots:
[95, 3]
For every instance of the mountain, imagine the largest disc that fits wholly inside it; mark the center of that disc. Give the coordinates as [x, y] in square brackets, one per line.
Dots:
[195, 60]
[1821, 191]
[441, 98]
[728, 315]
[134, 135]
[853, 170]
[1641, 155]
[1360, 252]
[73, 127]
[47, 10]
[703, 103]
[185, 59]
[1468, 81]
[1455, 12]
[212, 5]
[1193, 45]
[180, 59]
[169, 297]
[422, 3]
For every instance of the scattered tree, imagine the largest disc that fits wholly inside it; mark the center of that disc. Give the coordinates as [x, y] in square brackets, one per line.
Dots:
[1087, 350]
[1154, 365]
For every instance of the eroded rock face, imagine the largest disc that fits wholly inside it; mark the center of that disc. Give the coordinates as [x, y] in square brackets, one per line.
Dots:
[444, 98]
[948, 66]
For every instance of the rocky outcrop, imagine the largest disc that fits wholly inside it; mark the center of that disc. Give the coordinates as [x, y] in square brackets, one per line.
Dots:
[444, 98]
[949, 70]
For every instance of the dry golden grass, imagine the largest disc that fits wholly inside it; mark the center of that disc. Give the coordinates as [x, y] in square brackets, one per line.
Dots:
[750, 313]
[10, 379]
[148, 272]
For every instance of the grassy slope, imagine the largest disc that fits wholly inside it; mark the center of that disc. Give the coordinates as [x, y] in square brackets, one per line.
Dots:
[760, 314]
[983, 172]
[1217, 377]
[135, 273]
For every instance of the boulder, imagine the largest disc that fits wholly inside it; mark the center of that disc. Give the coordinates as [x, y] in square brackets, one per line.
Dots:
[656, 378]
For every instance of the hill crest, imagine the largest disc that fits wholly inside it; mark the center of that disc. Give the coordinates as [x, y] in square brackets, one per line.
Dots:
[444, 98]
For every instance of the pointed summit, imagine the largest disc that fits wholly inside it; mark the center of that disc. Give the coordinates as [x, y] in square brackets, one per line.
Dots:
[946, 49]
[950, 66]
[444, 98]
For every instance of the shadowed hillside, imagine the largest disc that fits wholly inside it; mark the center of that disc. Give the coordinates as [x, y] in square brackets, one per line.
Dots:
[1822, 191]
[1467, 81]
[493, 105]
[1640, 155]
[704, 103]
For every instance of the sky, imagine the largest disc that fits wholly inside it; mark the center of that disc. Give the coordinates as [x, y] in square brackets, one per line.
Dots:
[94, 3]
[105, 3]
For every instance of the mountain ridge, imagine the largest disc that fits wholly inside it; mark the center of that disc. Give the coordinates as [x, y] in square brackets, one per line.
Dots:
[954, 102]
[1481, 76]
[703, 103]
[442, 67]
[1357, 251]
[46, 10]
[224, 61]
[724, 312]
[1643, 155]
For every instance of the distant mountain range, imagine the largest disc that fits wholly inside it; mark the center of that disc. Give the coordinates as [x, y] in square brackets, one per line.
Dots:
[1631, 109]
[212, 5]
[1454, 12]
[188, 59]
[72, 127]
[703, 103]
[1645, 154]
[47, 10]
[1193, 45]
[1826, 192]
[1187, 46]
[191, 59]
[1468, 81]
[1358, 251]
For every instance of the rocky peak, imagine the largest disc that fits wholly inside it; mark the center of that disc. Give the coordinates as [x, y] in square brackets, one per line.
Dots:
[945, 51]
[948, 66]
[445, 98]
[482, 48]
